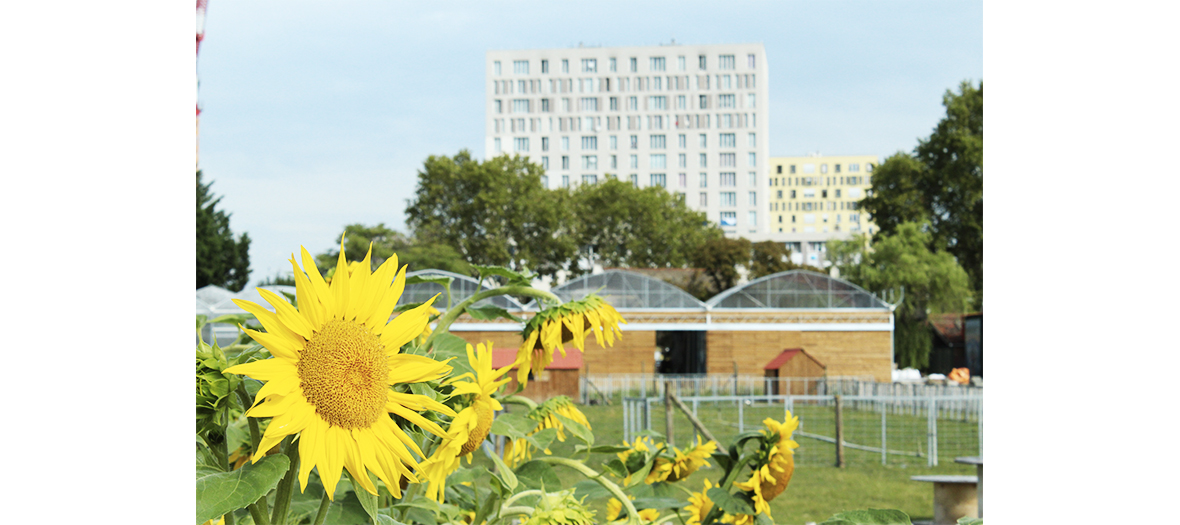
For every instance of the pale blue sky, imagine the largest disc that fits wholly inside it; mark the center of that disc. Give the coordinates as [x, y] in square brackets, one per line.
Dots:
[317, 115]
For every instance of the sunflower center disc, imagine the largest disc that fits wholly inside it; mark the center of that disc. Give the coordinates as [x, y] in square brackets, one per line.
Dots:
[343, 372]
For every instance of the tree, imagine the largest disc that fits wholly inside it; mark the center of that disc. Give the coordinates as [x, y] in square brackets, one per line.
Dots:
[386, 242]
[494, 212]
[720, 257]
[933, 282]
[941, 183]
[768, 258]
[221, 260]
[630, 227]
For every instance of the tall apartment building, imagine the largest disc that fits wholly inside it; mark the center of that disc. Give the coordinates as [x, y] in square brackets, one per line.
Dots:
[690, 119]
[814, 199]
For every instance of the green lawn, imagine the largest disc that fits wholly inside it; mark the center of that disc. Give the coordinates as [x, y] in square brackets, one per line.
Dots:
[818, 489]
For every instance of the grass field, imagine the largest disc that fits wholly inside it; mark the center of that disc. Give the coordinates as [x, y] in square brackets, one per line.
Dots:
[818, 489]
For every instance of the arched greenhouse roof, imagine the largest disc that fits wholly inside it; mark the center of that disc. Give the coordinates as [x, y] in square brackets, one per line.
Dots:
[213, 301]
[797, 289]
[623, 289]
[462, 287]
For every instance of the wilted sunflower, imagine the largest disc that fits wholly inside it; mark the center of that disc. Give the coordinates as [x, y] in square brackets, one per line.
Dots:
[545, 332]
[335, 358]
[699, 506]
[471, 426]
[639, 454]
[560, 508]
[545, 414]
[688, 462]
[775, 463]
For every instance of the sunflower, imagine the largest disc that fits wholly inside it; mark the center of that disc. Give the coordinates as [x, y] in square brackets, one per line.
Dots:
[688, 462]
[560, 508]
[614, 511]
[335, 358]
[546, 331]
[545, 414]
[644, 446]
[775, 465]
[471, 426]
[426, 331]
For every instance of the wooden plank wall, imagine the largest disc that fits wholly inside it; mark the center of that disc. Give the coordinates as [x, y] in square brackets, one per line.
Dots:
[844, 353]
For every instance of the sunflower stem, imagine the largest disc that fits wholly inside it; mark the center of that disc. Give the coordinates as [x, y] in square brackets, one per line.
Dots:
[632, 514]
[520, 400]
[320, 515]
[508, 502]
[283, 492]
[449, 317]
[247, 403]
[258, 511]
[715, 513]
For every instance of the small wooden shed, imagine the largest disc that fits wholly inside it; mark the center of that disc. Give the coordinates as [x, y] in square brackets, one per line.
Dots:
[793, 372]
[560, 378]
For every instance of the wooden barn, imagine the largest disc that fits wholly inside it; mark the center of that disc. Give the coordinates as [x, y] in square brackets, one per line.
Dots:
[791, 373]
[560, 378]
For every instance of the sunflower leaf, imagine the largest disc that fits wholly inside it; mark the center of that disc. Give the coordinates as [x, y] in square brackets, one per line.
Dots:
[419, 279]
[591, 490]
[512, 425]
[540, 475]
[503, 473]
[615, 466]
[446, 346]
[970, 520]
[577, 429]
[601, 449]
[406, 307]
[542, 439]
[367, 499]
[659, 503]
[739, 503]
[866, 517]
[490, 313]
[221, 492]
[524, 278]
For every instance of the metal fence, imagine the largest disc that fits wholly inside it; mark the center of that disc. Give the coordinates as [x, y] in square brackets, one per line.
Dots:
[878, 429]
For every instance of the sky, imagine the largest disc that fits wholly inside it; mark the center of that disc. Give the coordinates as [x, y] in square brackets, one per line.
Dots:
[319, 115]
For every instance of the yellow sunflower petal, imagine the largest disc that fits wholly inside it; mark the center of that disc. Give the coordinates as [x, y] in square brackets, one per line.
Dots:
[264, 369]
[383, 305]
[305, 296]
[406, 327]
[290, 317]
[318, 285]
[405, 368]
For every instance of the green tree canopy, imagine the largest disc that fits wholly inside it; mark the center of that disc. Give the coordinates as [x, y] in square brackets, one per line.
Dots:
[719, 259]
[631, 227]
[933, 282]
[386, 242]
[768, 258]
[222, 260]
[941, 183]
[493, 212]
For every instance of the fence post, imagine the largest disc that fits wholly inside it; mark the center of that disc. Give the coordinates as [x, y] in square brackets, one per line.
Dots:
[668, 414]
[741, 416]
[839, 431]
[884, 426]
[932, 430]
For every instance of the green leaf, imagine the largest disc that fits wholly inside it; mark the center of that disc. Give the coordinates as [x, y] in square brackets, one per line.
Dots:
[968, 520]
[234, 319]
[865, 517]
[591, 490]
[504, 473]
[368, 500]
[219, 493]
[513, 278]
[577, 429]
[542, 439]
[739, 503]
[347, 510]
[601, 449]
[447, 346]
[514, 426]
[615, 466]
[490, 313]
[538, 475]
[408, 306]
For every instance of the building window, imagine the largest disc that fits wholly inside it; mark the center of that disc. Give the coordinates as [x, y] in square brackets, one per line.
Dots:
[725, 62]
[681, 102]
[613, 64]
[520, 105]
[565, 143]
[657, 63]
[499, 106]
[544, 66]
[520, 144]
[544, 143]
[634, 64]
[753, 161]
[496, 67]
[614, 103]
[565, 104]
[660, 102]
[778, 169]
[792, 168]
[704, 102]
[752, 217]
[778, 194]
[869, 167]
[728, 160]
[520, 67]
[837, 168]
[704, 160]
[496, 143]
[658, 179]
[704, 180]
[565, 65]
[589, 65]
[704, 199]
[589, 162]
[703, 141]
[853, 168]
[565, 181]
[634, 161]
[634, 141]
[633, 103]
[728, 178]
[752, 62]
[751, 101]
[682, 160]
[728, 199]
[808, 168]
[614, 142]
[634, 180]
[658, 141]
[753, 143]
[753, 198]
[753, 179]
[726, 101]
[728, 219]
[837, 193]
[590, 142]
[614, 161]
[590, 179]
[701, 62]
[658, 160]
[681, 63]
[683, 177]
[544, 105]
[823, 168]
[727, 140]
[565, 162]
[545, 179]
